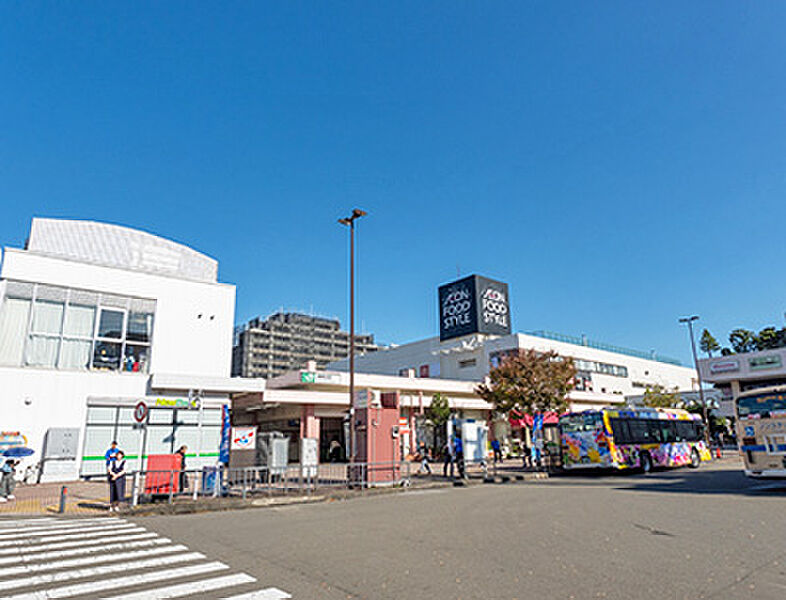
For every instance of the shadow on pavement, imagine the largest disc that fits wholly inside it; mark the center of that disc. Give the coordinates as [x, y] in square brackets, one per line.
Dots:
[704, 482]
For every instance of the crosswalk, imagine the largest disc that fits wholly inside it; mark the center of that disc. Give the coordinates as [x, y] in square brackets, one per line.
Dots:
[108, 557]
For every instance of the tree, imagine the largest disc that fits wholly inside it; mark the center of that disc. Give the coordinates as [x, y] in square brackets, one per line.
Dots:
[742, 340]
[708, 343]
[439, 411]
[529, 382]
[767, 339]
[657, 396]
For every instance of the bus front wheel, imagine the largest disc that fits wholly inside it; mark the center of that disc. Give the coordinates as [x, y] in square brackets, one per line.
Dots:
[695, 459]
[645, 462]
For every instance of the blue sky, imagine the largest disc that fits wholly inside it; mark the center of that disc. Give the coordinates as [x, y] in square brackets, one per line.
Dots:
[619, 164]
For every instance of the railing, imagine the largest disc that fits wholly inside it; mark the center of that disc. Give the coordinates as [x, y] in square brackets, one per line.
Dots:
[245, 482]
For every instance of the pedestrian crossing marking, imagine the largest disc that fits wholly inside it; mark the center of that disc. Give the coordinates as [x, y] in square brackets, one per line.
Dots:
[120, 582]
[266, 594]
[96, 571]
[114, 532]
[77, 562]
[74, 544]
[187, 589]
[39, 555]
[29, 557]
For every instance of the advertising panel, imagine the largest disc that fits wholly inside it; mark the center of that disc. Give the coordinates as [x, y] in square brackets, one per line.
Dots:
[243, 438]
[473, 304]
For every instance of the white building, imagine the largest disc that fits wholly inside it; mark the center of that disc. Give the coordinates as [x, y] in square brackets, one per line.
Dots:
[95, 318]
[606, 374]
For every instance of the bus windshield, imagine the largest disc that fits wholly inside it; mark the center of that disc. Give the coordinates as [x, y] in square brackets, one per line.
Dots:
[762, 406]
[580, 422]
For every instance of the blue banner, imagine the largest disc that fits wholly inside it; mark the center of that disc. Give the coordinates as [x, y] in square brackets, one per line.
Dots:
[223, 450]
[537, 422]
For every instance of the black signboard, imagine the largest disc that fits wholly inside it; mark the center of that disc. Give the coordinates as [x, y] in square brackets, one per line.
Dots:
[473, 304]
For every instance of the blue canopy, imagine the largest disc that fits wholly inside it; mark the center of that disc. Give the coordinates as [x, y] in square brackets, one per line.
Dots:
[18, 452]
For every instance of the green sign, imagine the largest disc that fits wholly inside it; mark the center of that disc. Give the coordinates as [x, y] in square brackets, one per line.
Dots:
[308, 377]
[772, 361]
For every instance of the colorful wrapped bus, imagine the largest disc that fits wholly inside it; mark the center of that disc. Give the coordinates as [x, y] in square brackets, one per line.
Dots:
[632, 438]
[761, 429]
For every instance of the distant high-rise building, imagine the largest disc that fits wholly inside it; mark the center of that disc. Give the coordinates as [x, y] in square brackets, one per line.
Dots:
[287, 341]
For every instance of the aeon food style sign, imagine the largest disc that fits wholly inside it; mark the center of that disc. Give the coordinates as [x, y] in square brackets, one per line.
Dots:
[474, 304]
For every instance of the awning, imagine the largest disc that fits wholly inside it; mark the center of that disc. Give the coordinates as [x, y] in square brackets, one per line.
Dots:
[518, 420]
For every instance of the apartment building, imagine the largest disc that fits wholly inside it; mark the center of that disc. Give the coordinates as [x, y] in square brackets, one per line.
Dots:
[287, 341]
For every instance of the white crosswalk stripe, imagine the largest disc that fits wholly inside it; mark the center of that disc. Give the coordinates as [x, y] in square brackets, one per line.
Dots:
[193, 587]
[73, 544]
[266, 594]
[39, 555]
[29, 556]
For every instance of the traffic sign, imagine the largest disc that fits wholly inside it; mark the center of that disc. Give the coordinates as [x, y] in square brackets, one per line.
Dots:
[140, 412]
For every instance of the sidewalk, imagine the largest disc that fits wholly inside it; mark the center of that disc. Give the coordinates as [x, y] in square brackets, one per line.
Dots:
[82, 497]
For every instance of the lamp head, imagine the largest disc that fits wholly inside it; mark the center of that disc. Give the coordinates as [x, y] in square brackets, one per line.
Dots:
[345, 221]
[356, 213]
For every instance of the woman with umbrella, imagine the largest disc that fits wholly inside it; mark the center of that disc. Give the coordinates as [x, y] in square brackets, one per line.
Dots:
[8, 469]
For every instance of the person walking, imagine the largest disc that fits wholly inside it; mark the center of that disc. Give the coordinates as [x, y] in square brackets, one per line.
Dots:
[424, 464]
[117, 481]
[182, 477]
[495, 446]
[459, 452]
[448, 458]
[526, 456]
[7, 481]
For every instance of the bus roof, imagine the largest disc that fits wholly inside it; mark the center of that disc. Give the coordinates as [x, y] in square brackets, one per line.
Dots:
[630, 412]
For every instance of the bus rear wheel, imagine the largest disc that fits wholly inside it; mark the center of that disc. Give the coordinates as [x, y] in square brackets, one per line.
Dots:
[645, 463]
[695, 459]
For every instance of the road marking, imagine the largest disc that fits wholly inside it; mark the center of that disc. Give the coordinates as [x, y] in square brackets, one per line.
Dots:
[87, 560]
[266, 594]
[120, 582]
[31, 556]
[6, 531]
[16, 522]
[97, 571]
[23, 534]
[40, 547]
[76, 536]
[186, 589]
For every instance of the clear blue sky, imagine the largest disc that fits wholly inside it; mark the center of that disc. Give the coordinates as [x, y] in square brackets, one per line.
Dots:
[619, 164]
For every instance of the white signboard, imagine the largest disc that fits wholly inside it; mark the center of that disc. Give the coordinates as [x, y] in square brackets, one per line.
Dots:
[309, 456]
[243, 438]
[725, 366]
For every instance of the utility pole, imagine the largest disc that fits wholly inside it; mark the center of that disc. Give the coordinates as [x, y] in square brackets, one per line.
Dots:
[705, 412]
[350, 222]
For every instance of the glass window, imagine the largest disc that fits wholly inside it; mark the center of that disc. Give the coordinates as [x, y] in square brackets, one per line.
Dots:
[136, 358]
[79, 321]
[75, 354]
[48, 317]
[140, 327]
[42, 351]
[111, 324]
[762, 405]
[621, 431]
[106, 356]
[14, 315]
[639, 432]
[101, 414]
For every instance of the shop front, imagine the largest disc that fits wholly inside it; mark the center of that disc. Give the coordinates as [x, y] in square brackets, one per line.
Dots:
[166, 424]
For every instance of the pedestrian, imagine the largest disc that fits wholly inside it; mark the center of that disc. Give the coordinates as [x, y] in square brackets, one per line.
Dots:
[7, 481]
[334, 452]
[526, 455]
[109, 455]
[459, 452]
[182, 477]
[117, 481]
[449, 459]
[495, 446]
[424, 464]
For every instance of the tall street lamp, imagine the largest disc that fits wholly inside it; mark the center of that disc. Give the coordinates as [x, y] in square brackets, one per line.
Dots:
[689, 321]
[350, 222]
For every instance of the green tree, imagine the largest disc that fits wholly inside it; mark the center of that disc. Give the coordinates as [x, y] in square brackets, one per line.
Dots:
[529, 382]
[768, 338]
[708, 343]
[657, 396]
[742, 340]
[439, 411]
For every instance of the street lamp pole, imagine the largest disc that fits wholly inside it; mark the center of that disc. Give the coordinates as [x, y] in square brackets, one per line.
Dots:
[689, 321]
[350, 222]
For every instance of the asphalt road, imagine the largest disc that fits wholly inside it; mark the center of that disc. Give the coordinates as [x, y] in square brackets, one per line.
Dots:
[709, 533]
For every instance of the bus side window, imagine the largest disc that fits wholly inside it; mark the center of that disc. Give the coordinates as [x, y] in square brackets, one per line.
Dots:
[621, 431]
[639, 432]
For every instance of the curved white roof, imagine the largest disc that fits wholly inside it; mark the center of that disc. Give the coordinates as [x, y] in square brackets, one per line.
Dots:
[120, 247]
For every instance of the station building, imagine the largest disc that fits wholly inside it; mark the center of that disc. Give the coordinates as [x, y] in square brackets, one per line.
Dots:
[96, 318]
